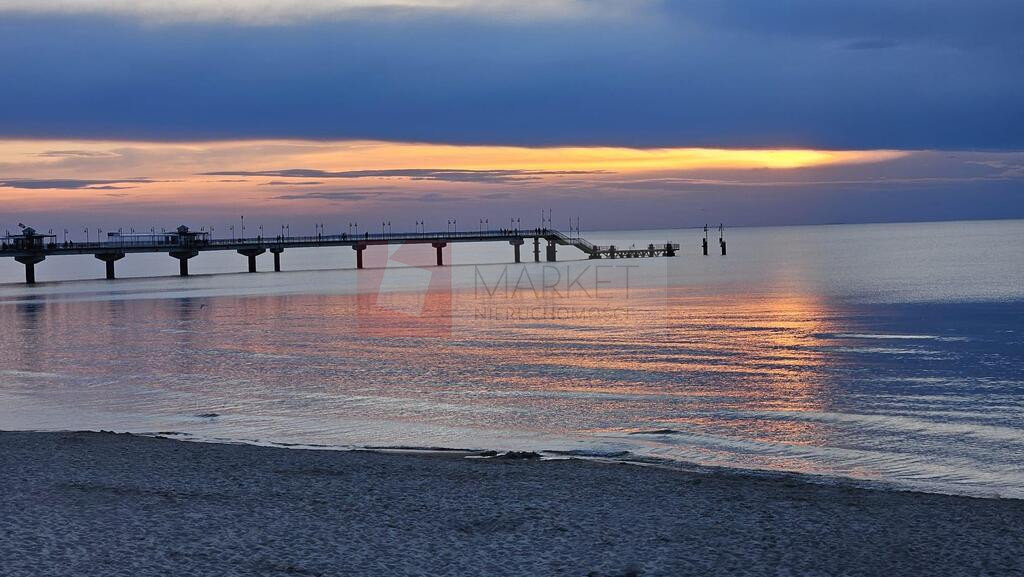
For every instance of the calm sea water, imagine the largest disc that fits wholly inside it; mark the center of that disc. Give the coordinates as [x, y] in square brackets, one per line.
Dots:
[890, 353]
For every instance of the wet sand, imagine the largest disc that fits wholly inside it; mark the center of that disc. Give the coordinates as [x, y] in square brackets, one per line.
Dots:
[106, 504]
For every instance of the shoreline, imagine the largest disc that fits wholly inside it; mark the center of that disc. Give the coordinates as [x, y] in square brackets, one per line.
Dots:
[103, 503]
[624, 457]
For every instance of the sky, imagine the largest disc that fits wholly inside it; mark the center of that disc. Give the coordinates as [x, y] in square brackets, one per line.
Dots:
[624, 113]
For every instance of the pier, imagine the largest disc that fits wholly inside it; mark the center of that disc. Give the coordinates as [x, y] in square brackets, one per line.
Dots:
[31, 248]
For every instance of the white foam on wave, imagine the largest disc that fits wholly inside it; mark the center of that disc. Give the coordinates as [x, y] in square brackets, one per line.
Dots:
[899, 423]
[28, 374]
[899, 337]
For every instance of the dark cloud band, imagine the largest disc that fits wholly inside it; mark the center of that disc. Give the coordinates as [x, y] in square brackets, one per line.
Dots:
[435, 174]
[70, 184]
[738, 73]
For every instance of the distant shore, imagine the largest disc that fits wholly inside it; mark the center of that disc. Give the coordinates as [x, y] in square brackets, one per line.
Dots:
[106, 504]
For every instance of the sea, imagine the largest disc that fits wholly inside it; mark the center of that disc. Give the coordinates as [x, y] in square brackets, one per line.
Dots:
[889, 355]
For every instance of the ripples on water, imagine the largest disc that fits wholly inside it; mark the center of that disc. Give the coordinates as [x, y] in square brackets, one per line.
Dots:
[808, 360]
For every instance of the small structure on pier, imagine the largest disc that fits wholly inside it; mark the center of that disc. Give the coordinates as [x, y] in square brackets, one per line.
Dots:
[29, 239]
[32, 243]
[181, 236]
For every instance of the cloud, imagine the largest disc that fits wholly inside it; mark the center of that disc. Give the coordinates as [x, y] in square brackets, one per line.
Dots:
[68, 183]
[277, 12]
[341, 196]
[676, 73]
[871, 45]
[76, 154]
[950, 22]
[291, 183]
[435, 174]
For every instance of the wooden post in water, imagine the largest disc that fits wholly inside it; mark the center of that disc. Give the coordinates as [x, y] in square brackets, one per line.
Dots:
[359, 248]
[183, 256]
[277, 258]
[516, 243]
[251, 254]
[109, 258]
[440, 254]
[30, 266]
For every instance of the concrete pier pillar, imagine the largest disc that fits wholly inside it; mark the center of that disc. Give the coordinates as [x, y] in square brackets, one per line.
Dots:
[359, 248]
[439, 246]
[536, 249]
[183, 256]
[30, 266]
[277, 258]
[721, 241]
[516, 243]
[705, 244]
[551, 251]
[251, 254]
[109, 258]
[670, 250]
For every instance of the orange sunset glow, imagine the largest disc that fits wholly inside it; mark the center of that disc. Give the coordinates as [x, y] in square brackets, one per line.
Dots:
[151, 174]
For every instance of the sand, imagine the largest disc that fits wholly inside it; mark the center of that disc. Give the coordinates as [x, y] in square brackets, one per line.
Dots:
[105, 504]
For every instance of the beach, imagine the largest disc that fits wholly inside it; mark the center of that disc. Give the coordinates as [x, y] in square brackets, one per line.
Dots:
[84, 503]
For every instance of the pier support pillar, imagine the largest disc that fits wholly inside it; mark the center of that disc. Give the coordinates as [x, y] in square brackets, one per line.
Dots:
[277, 258]
[359, 248]
[721, 241]
[551, 251]
[30, 266]
[670, 249]
[515, 245]
[109, 258]
[704, 243]
[536, 249]
[183, 256]
[440, 251]
[251, 254]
